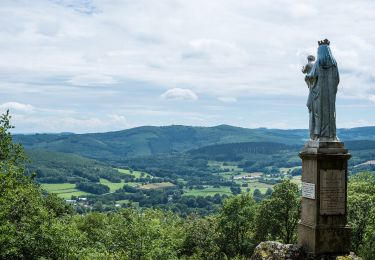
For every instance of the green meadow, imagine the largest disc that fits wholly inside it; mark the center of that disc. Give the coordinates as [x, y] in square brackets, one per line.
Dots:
[257, 185]
[63, 190]
[152, 186]
[113, 186]
[136, 174]
[209, 191]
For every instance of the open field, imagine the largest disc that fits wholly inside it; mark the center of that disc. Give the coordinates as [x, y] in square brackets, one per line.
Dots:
[133, 184]
[152, 186]
[229, 175]
[247, 174]
[229, 166]
[66, 190]
[63, 190]
[122, 202]
[136, 174]
[371, 162]
[113, 186]
[286, 170]
[210, 191]
[257, 185]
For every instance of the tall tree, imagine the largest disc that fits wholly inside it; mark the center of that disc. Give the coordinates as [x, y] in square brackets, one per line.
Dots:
[361, 213]
[236, 225]
[278, 216]
[25, 213]
[201, 237]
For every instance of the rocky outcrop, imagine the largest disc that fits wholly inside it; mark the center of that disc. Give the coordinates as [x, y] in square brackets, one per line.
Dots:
[271, 250]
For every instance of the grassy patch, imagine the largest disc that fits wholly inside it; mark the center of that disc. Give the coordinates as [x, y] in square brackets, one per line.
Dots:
[136, 174]
[152, 186]
[229, 166]
[258, 185]
[210, 191]
[133, 184]
[76, 193]
[226, 171]
[285, 170]
[113, 186]
[252, 174]
[56, 187]
[122, 202]
[63, 190]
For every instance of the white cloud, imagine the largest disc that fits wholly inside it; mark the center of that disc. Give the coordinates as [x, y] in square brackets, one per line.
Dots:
[219, 54]
[212, 46]
[248, 49]
[19, 107]
[118, 120]
[93, 124]
[179, 94]
[302, 10]
[92, 80]
[53, 124]
[357, 123]
[227, 99]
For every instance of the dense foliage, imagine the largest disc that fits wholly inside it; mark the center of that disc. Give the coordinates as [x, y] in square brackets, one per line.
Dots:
[36, 225]
[95, 188]
[361, 204]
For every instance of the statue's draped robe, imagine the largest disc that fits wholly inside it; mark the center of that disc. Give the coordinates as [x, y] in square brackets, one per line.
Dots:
[323, 96]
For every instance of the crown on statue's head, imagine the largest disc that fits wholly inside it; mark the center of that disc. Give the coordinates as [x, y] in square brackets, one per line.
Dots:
[324, 42]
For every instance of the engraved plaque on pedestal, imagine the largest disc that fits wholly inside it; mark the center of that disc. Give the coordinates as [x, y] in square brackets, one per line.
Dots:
[332, 192]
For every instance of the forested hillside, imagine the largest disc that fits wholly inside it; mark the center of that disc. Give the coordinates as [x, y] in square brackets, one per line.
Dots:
[56, 167]
[150, 140]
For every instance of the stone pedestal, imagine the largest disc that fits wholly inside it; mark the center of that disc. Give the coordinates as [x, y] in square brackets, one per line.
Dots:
[323, 228]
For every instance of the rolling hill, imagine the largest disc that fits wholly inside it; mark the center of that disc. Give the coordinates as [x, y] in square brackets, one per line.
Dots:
[151, 140]
[57, 167]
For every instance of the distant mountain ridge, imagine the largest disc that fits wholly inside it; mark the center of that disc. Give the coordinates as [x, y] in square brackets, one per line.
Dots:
[153, 140]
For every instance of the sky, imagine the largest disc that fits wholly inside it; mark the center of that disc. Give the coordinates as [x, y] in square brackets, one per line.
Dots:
[95, 66]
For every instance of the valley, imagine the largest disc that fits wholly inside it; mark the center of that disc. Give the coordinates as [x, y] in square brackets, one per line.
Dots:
[185, 169]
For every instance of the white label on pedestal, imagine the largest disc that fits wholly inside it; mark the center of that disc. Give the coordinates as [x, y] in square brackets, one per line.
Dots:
[308, 190]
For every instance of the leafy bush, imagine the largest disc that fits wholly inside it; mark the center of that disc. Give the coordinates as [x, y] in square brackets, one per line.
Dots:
[95, 188]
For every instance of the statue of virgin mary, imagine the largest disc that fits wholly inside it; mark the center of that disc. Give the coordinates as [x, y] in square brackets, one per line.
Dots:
[322, 108]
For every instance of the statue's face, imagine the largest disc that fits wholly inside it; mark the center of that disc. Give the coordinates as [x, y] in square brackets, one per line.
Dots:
[310, 58]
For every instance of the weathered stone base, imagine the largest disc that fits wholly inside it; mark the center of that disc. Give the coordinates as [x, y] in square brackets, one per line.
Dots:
[323, 229]
[330, 240]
